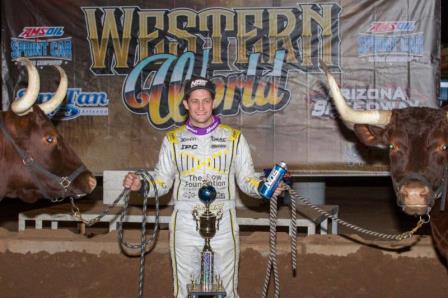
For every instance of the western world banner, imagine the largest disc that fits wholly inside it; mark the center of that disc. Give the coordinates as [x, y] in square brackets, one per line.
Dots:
[127, 62]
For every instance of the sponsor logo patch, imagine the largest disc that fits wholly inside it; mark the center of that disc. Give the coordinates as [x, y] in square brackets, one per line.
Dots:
[391, 41]
[78, 103]
[222, 140]
[187, 139]
[384, 27]
[218, 146]
[36, 32]
[45, 45]
[185, 147]
[198, 82]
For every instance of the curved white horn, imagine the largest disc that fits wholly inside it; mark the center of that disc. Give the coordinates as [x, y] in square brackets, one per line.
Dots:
[350, 115]
[59, 95]
[21, 105]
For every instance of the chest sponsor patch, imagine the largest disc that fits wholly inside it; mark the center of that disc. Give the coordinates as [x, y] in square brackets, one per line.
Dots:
[189, 146]
[183, 140]
[221, 140]
[218, 146]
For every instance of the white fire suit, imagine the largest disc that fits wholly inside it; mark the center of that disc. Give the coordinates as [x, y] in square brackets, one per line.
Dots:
[221, 157]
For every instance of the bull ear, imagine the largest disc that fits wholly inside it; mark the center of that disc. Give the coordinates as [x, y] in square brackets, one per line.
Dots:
[370, 135]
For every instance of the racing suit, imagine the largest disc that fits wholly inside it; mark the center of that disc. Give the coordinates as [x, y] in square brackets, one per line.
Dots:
[220, 156]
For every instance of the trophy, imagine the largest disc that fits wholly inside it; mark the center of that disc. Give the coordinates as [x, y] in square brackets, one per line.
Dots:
[207, 223]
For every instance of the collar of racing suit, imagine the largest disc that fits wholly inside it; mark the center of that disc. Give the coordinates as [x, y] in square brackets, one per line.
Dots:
[203, 130]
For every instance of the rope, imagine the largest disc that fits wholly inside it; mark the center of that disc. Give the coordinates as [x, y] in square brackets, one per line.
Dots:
[272, 262]
[397, 237]
[76, 213]
[124, 195]
[293, 235]
[272, 267]
[143, 242]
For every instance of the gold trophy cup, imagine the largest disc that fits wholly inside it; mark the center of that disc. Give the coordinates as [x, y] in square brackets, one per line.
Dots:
[207, 223]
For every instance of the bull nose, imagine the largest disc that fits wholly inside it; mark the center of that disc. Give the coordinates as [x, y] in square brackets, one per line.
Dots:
[92, 183]
[414, 194]
[409, 191]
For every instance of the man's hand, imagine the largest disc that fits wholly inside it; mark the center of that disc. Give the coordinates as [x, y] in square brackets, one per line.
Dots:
[280, 188]
[132, 181]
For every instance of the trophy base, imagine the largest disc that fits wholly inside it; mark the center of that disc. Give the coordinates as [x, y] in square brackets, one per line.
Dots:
[196, 290]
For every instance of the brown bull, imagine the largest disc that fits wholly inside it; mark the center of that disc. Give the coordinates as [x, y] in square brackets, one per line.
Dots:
[417, 140]
[34, 161]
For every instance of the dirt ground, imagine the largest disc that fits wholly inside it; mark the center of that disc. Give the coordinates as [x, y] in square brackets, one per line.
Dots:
[328, 266]
[365, 273]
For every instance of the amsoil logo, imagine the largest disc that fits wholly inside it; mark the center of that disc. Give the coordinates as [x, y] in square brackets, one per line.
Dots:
[391, 41]
[43, 44]
[384, 27]
[36, 32]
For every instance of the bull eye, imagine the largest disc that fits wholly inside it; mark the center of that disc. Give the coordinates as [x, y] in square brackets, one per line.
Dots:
[391, 146]
[50, 139]
[444, 147]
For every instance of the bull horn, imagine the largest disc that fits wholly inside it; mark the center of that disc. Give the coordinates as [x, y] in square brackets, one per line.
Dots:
[59, 95]
[21, 105]
[381, 118]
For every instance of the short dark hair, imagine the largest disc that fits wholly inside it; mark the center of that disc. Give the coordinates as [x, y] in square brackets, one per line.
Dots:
[197, 83]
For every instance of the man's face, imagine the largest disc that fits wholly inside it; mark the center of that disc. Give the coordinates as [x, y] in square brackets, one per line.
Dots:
[200, 107]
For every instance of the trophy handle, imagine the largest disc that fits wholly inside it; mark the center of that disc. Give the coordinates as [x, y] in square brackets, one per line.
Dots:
[196, 218]
[218, 219]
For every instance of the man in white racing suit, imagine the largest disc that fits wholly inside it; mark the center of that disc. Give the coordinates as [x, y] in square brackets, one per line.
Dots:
[203, 149]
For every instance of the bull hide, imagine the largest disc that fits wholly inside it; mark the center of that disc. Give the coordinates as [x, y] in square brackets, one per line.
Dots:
[34, 160]
[417, 140]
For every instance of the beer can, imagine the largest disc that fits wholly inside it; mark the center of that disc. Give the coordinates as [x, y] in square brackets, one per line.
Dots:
[275, 176]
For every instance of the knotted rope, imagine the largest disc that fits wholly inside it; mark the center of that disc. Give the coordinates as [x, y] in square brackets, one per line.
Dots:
[272, 261]
[272, 266]
[145, 244]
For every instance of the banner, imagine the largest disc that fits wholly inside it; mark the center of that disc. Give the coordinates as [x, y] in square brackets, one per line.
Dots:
[126, 65]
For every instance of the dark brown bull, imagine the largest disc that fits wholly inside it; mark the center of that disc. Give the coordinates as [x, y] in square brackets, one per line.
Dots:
[417, 139]
[34, 161]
